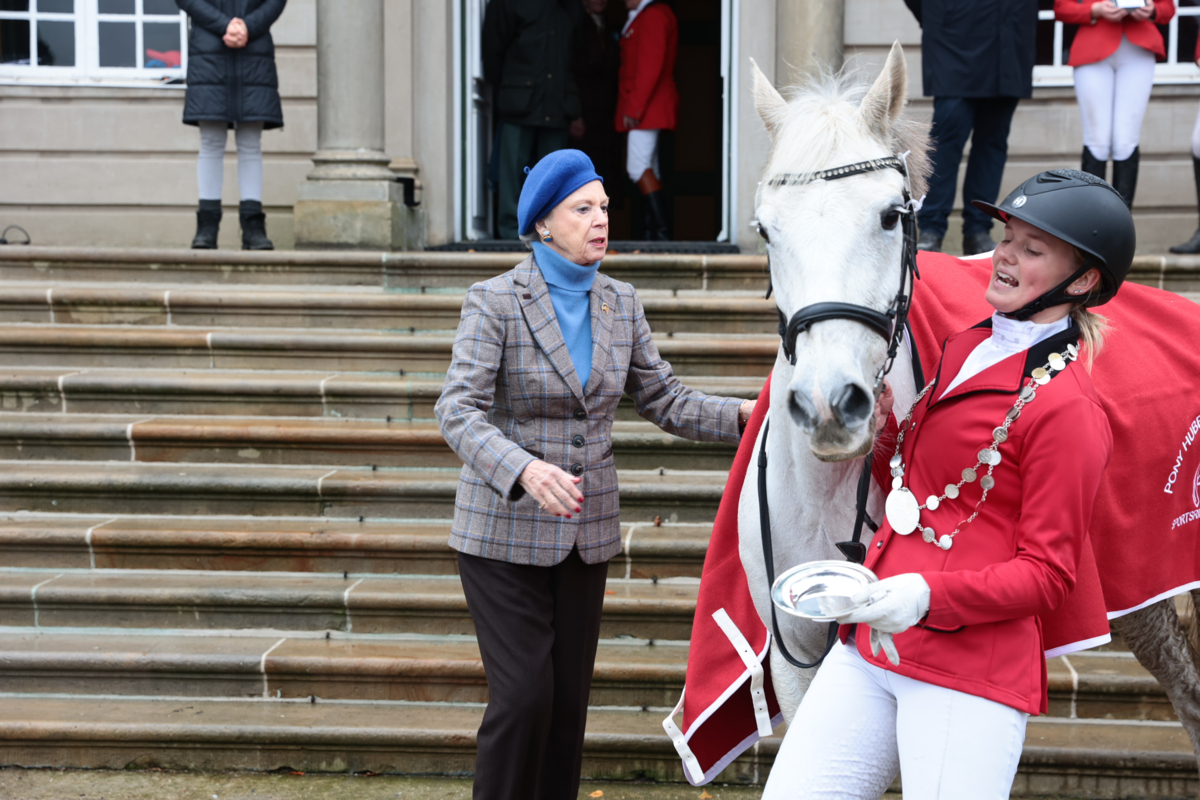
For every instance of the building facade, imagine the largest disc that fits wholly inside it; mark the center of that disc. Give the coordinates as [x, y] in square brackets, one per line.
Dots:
[93, 152]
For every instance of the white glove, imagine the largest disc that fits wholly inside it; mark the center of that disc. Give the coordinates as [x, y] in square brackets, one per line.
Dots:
[893, 605]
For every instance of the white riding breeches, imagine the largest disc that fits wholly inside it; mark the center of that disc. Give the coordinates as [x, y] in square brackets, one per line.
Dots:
[859, 724]
[641, 154]
[1113, 95]
[1196, 137]
[210, 166]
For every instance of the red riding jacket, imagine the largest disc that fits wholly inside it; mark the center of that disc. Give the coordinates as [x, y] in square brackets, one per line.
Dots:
[646, 85]
[1018, 559]
[1097, 41]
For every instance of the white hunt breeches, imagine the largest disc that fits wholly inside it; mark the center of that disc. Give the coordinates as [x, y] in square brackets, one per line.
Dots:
[210, 167]
[859, 724]
[1113, 94]
[641, 154]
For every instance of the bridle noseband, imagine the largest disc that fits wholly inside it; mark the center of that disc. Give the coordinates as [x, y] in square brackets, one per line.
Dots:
[888, 324]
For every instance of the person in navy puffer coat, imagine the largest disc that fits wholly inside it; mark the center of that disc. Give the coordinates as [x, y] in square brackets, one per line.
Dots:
[232, 83]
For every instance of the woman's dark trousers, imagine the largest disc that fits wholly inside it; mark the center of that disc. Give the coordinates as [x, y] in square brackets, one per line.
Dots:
[537, 628]
[954, 119]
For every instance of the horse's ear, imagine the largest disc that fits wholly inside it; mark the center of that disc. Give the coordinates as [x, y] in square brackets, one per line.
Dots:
[887, 96]
[767, 100]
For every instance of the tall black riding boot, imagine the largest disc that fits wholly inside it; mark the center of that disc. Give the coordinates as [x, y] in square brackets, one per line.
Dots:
[1125, 176]
[657, 229]
[1091, 164]
[1192, 245]
[254, 226]
[208, 225]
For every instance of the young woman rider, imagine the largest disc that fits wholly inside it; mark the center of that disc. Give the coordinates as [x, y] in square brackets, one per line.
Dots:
[993, 479]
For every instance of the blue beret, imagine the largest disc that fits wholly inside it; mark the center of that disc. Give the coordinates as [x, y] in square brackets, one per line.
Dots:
[550, 182]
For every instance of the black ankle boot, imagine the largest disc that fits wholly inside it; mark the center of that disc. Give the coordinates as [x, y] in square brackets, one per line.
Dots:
[208, 225]
[656, 218]
[1125, 174]
[1192, 246]
[254, 226]
[1090, 164]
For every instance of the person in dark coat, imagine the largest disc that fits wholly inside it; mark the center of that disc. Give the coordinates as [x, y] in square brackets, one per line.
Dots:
[232, 83]
[596, 58]
[526, 60]
[977, 63]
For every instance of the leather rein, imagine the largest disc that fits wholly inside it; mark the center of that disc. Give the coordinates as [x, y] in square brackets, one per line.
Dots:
[889, 324]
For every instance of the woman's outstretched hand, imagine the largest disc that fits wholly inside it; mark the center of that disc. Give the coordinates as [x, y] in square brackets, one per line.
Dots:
[554, 490]
[892, 605]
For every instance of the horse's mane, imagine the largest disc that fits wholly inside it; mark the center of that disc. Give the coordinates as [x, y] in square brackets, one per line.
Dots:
[821, 118]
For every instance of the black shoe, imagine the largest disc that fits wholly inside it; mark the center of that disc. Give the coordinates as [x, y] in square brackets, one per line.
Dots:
[1090, 164]
[254, 226]
[1192, 246]
[1125, 177]
[929, 241]
[208, 225]
[656, 218]
[978, 243]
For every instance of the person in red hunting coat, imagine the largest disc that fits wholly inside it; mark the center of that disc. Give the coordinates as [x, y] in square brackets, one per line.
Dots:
[647, 100]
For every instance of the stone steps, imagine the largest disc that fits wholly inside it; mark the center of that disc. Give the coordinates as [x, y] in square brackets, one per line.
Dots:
[169, 347]
[118, 488]
[371, 603]
[299, 545]
[1078, 758]
[299, 441]
[408, 271]
[322, 307]
[263, 393]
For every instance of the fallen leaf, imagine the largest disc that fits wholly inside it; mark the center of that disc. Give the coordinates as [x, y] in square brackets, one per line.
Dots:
[705, 795]
[596, 793]
[606, 591]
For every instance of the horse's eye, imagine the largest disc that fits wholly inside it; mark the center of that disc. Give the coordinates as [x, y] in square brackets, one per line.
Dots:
[889, 219]
[763, 233]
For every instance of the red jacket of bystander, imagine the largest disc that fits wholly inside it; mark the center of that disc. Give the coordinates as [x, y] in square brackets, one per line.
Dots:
[647, 90]
[1019, 557]
[1099, 39]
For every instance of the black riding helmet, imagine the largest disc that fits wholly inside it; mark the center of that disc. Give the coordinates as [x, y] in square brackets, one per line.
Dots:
[1084, 211]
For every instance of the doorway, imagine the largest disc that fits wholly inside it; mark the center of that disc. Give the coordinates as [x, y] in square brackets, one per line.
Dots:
[697, 160]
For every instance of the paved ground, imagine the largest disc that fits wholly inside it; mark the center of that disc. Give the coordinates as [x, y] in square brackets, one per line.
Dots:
[48, 784]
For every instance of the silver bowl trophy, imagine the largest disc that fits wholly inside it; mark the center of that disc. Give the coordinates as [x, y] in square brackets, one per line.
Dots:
[820, 590]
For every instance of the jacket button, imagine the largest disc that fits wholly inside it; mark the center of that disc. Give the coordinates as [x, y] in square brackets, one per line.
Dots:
[580, 414]
[549, 74]
[577, 470]
[879, 544]
[577, 440]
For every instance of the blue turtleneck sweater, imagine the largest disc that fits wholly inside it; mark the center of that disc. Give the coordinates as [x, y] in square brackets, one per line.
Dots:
[569, 285]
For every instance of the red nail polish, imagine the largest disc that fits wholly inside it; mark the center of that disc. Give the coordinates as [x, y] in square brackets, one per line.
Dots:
[578, 510]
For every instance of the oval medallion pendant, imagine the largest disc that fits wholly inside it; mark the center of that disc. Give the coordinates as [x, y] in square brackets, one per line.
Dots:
[902, 510]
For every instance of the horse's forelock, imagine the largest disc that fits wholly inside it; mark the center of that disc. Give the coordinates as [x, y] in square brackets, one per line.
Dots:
[821, 119]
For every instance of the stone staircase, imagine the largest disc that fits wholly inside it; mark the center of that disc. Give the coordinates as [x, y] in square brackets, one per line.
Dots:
[224, 506]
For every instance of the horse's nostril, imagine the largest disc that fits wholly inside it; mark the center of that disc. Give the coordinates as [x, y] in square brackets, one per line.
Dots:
[801, 410]
[852, 405]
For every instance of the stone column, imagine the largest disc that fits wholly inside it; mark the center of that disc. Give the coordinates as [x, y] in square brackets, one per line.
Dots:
[351, 199]
[808, 33]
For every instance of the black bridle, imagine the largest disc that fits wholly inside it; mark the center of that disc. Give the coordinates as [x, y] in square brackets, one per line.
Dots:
[889, 324]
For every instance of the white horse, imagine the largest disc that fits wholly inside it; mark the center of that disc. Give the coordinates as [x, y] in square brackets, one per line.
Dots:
[839, 241]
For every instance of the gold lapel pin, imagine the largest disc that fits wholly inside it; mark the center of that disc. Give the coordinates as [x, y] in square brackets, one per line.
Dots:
[604, 307]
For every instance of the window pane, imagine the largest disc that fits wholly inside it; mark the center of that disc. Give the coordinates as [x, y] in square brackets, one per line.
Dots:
[1187, 34]
[14, 5]
[56, 6]
[162, 45]
[118, 44]
[56, 43]
[14, 41]
[117, 7]
[166, 7]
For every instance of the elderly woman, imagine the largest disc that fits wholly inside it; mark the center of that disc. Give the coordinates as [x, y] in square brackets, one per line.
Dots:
[542, 356]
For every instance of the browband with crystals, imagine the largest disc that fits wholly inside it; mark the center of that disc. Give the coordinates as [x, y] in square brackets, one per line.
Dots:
[801, 178]
[901, 508]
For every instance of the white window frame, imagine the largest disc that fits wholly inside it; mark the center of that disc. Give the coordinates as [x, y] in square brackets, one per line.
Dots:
[1172, 71]
[87, 70]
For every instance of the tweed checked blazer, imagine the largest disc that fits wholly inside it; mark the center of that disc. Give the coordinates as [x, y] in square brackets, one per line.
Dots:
[512, 396]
